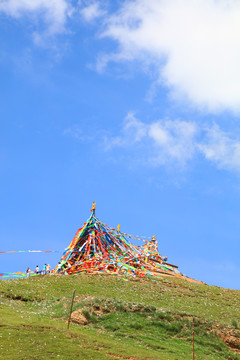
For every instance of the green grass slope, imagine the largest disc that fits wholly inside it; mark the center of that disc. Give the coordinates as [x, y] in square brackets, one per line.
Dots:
[123, 319]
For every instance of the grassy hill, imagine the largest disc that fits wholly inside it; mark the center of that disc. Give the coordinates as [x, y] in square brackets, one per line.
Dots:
[117, 318]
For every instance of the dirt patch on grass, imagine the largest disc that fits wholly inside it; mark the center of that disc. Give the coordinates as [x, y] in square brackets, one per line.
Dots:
[230, 336]
[123, 357]
[38, 327]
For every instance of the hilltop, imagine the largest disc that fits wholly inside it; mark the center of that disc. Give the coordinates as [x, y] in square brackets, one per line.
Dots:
[117, 317]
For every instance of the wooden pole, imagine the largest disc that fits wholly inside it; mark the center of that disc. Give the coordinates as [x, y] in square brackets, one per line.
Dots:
[193, 340]
[69, 319]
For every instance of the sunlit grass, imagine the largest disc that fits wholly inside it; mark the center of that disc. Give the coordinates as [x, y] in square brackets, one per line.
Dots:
[142, 318]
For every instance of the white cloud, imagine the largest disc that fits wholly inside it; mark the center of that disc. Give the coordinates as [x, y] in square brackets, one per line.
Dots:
[221, 148]
[92, 11]
[176, 142]
[133, 131]
[134, 127]
[193, 44]
[53, 12]
[167, 141]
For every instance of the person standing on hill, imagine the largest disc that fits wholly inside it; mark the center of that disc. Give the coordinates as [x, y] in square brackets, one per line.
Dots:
[48, 268]
[37, 270]
[59, 268]
[44, 269]
[28, 272]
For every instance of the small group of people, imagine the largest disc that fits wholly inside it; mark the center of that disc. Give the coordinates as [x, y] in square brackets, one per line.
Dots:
[45, 270]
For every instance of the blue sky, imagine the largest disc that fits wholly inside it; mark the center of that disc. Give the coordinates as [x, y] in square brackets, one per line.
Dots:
[135, 105]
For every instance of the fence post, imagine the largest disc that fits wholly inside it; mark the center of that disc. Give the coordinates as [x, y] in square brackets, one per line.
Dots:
[69, 319]
[193, 340]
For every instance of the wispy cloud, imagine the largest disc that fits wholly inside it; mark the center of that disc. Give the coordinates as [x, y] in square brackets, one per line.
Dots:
[92, 11]
[54, 13]
[76, 132]
[165, 140]
[221, 148]
[193, 45]
[174, 140]
[177, 142]
[79, 133]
